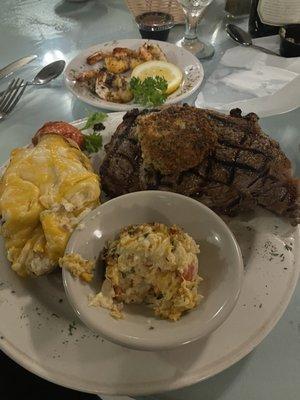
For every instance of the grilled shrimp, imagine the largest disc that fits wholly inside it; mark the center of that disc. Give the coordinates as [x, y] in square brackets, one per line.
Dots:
[134, 62]
[87, 75]
[107, 82]
[121, 52]
[121, 59]
[96, 57]
[113, 87]
[117, 65]
[149, 52]
[118, 52]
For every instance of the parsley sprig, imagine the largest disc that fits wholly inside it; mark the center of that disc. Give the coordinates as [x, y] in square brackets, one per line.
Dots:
[93, 141]
[149, 92]
[94, 119]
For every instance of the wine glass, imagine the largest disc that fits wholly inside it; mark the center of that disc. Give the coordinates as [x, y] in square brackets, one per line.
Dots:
[193, 10]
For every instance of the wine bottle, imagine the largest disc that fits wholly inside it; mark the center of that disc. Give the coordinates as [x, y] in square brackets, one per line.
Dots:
[266, 16]
[256, 27]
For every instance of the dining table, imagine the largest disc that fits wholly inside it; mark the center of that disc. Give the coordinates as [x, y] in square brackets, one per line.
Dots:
[60, 29]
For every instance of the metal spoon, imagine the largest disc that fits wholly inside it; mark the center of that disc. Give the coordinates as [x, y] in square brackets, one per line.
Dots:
[47, 74]
[242, 37]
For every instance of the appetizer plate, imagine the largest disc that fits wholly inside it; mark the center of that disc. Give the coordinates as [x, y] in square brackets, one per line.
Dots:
[220, 264]
[189, 65]
[40, 330]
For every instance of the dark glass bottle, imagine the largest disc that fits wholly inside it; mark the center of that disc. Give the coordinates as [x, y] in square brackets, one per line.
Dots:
[258, 28]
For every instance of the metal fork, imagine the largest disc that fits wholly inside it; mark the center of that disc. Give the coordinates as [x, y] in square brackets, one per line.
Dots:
[11, 96]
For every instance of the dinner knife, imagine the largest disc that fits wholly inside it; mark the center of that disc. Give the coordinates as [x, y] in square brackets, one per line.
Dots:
[15, 65]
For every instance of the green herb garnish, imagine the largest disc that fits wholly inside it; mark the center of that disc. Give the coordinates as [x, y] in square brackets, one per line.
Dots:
[289, 248]
[94, 119]
[72, 327]
[93, 142]
[149, 92]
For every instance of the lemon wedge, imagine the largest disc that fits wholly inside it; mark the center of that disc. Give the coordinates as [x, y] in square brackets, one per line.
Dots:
[169, 71]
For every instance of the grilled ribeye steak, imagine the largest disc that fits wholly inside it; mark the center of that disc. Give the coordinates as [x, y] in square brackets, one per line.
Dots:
[226, 162]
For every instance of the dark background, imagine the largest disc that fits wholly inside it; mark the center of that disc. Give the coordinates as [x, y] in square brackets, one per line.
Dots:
[15, 382]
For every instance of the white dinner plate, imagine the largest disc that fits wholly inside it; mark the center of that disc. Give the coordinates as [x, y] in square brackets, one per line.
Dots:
[40, 331]
[189, 65]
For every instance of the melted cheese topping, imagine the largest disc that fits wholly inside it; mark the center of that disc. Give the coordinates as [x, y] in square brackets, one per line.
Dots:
[44, 192]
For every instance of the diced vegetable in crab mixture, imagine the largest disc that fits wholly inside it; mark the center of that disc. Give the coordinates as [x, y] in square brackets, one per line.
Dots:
[153, 264]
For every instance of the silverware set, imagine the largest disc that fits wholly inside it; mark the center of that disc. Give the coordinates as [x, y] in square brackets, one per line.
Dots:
[10, 97]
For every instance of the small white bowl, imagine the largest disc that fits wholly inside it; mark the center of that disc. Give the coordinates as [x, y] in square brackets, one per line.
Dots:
[220, 264]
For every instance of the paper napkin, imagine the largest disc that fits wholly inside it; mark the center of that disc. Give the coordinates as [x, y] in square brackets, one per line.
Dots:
[247, 76]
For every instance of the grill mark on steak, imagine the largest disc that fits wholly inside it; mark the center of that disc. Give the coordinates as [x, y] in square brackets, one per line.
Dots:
[245, 168]
[219, 172]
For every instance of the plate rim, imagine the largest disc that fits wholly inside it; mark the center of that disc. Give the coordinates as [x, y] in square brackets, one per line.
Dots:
[160, 387]
[125, 107]
[180, 383]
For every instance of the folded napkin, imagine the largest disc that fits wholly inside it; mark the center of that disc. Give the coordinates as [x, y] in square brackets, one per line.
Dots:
[246, 76]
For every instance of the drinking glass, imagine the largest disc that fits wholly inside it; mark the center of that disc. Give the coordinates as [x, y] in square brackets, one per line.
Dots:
[193, 10]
